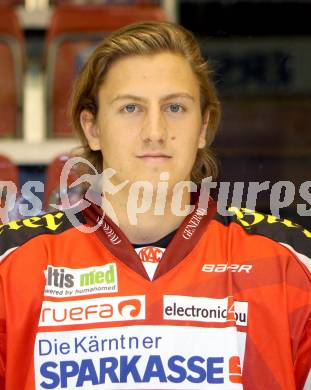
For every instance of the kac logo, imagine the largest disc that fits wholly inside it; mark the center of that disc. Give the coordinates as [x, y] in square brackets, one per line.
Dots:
[150, 254]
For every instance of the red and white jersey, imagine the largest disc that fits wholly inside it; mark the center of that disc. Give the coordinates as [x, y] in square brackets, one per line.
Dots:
[229, 306]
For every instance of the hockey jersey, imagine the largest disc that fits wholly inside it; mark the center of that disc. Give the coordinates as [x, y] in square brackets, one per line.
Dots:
[229, 306]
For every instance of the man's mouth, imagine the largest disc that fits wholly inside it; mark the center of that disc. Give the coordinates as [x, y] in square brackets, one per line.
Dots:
[154, 157]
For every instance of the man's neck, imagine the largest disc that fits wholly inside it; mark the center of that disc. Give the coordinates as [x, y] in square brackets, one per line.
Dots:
[147, 226]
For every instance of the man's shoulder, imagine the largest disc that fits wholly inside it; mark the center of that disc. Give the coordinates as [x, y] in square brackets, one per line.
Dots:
[14, 234]
[280, 231]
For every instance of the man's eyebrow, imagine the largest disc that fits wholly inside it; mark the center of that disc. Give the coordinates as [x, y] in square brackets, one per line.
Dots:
[178, 95]
[128, 97]
[136, 98]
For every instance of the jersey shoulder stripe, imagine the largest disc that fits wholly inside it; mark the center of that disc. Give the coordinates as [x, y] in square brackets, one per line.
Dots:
[16, 233]
[285, 232]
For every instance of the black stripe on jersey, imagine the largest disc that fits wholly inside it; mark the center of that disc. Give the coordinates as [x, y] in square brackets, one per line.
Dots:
[281, 230]
[16, 233]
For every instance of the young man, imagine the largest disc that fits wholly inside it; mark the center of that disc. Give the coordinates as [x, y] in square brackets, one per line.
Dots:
[153, 298]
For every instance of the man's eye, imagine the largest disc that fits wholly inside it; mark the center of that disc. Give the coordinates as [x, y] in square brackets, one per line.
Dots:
[175, 108]
[130, 108]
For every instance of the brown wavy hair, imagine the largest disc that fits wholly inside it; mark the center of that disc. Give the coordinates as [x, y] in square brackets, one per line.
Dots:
[147, 38]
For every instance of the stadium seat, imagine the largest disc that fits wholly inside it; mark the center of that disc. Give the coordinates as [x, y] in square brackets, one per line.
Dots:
[72, 34]
[52, 183]
[11, 73]
[10, 3]
[8, 171]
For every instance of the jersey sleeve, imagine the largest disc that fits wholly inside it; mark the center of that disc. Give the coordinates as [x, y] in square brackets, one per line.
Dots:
[296, 269]
[299, 301]
[2, 338]
[303, 360]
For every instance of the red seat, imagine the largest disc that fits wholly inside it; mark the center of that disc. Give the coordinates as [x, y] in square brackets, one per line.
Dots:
[52, 182]
[11, 73]
[11, 3]
[8, 171]
[73, 32]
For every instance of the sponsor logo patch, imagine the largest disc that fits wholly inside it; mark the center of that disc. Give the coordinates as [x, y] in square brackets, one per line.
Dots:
[62, 282]
[249, 218]
[140, 357]
[193, 223]
[49, 221]
[90, 311]
[177, 307]
[227, 267]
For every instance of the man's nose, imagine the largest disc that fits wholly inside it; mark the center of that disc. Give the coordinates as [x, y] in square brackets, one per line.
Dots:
[154, 126]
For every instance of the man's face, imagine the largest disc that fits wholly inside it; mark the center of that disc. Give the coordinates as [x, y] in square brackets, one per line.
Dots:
[149, 119]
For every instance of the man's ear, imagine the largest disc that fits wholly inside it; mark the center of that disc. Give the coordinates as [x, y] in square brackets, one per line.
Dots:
[90, 129]
[203, 130]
